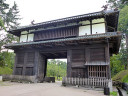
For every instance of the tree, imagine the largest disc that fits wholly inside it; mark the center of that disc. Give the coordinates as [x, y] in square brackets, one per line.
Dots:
[56, 68]
[8, 58]
[9, 15]
[123, 26]
[8, 19]
[122, 5]
[116, 64]
[2, 62]
[117, 3]
[2, 24]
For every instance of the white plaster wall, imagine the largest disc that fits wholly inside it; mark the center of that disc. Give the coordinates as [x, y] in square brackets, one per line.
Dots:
[84, 30]
[99, 28]
[98, 20]
[85, 22]
[30, 37]
[0, 78]
[23, 38]
[24, 32]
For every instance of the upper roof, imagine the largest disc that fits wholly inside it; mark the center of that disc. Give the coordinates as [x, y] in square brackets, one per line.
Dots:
[111, 16]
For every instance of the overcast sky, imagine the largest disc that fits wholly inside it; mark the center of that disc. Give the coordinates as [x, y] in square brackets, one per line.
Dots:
[45, 10]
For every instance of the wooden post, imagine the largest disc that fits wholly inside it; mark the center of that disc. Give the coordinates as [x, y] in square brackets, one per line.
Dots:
[69, 69]
[14, 68]
[108, 59]
[39, 66]
[25, 62]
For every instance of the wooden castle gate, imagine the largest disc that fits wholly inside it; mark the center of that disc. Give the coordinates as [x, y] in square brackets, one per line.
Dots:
[87, 41]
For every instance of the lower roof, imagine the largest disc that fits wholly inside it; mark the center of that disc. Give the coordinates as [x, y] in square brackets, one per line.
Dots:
[66, 40]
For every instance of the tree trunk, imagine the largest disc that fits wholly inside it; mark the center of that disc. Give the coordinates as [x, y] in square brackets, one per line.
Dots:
[127, 48]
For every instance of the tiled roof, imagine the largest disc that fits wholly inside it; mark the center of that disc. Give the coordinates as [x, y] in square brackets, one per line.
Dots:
[100, 13]
[86, 37]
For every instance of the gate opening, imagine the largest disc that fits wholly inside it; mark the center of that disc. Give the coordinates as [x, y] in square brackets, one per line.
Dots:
[55, 65]
[56, 68]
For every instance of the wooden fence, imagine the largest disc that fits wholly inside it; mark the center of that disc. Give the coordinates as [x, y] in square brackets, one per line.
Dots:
[93, 82]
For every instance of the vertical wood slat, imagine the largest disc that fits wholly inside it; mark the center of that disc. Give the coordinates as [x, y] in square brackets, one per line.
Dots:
[94, 82]
[58, 33]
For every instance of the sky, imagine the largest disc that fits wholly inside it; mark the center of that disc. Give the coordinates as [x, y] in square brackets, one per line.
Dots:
[45, 10]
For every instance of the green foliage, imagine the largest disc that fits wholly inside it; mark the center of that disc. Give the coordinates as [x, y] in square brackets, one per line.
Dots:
[8, 19]
[5, 70]
[123, 19]
[9, 14]
[2, 62]
[123, 57]
[116, 64]
[114, 3]
[120, 76]
[125, 79]
[122, 26]
[8, 59]
[56, 68]
[2, 24]
[6, 62]
[114, 93]
[117, 3]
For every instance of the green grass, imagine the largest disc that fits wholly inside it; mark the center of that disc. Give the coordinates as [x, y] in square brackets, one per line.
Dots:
[121, 76]
[5, 71]
[113, 93]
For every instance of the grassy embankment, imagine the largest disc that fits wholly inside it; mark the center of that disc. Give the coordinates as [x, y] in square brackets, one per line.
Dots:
[121, 76]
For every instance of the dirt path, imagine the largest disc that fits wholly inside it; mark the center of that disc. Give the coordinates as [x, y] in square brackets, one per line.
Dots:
[45, 89]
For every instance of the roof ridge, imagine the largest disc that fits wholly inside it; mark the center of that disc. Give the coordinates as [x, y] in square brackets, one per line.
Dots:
[68, 18]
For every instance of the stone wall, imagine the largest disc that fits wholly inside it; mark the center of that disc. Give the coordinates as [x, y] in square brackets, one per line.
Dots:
[19, 78]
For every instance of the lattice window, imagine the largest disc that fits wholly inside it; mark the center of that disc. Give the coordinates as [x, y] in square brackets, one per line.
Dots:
[97, 71]
[30, 57]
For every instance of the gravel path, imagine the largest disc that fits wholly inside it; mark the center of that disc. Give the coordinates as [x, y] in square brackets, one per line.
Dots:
[45, 89]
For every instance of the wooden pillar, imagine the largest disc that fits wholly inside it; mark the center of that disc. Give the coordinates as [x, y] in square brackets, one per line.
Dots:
[25, 62]
[108, 60]
[36, 63]
[39, 66]
[69, 62]
[14, 68]
[45, 67]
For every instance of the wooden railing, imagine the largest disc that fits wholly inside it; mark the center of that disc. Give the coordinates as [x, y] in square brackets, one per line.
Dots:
[93, 82]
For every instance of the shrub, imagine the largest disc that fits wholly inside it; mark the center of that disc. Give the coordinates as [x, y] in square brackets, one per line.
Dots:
[113, 93]
[2, 63]
[119, 77]
[125, 79]
[5, 71]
